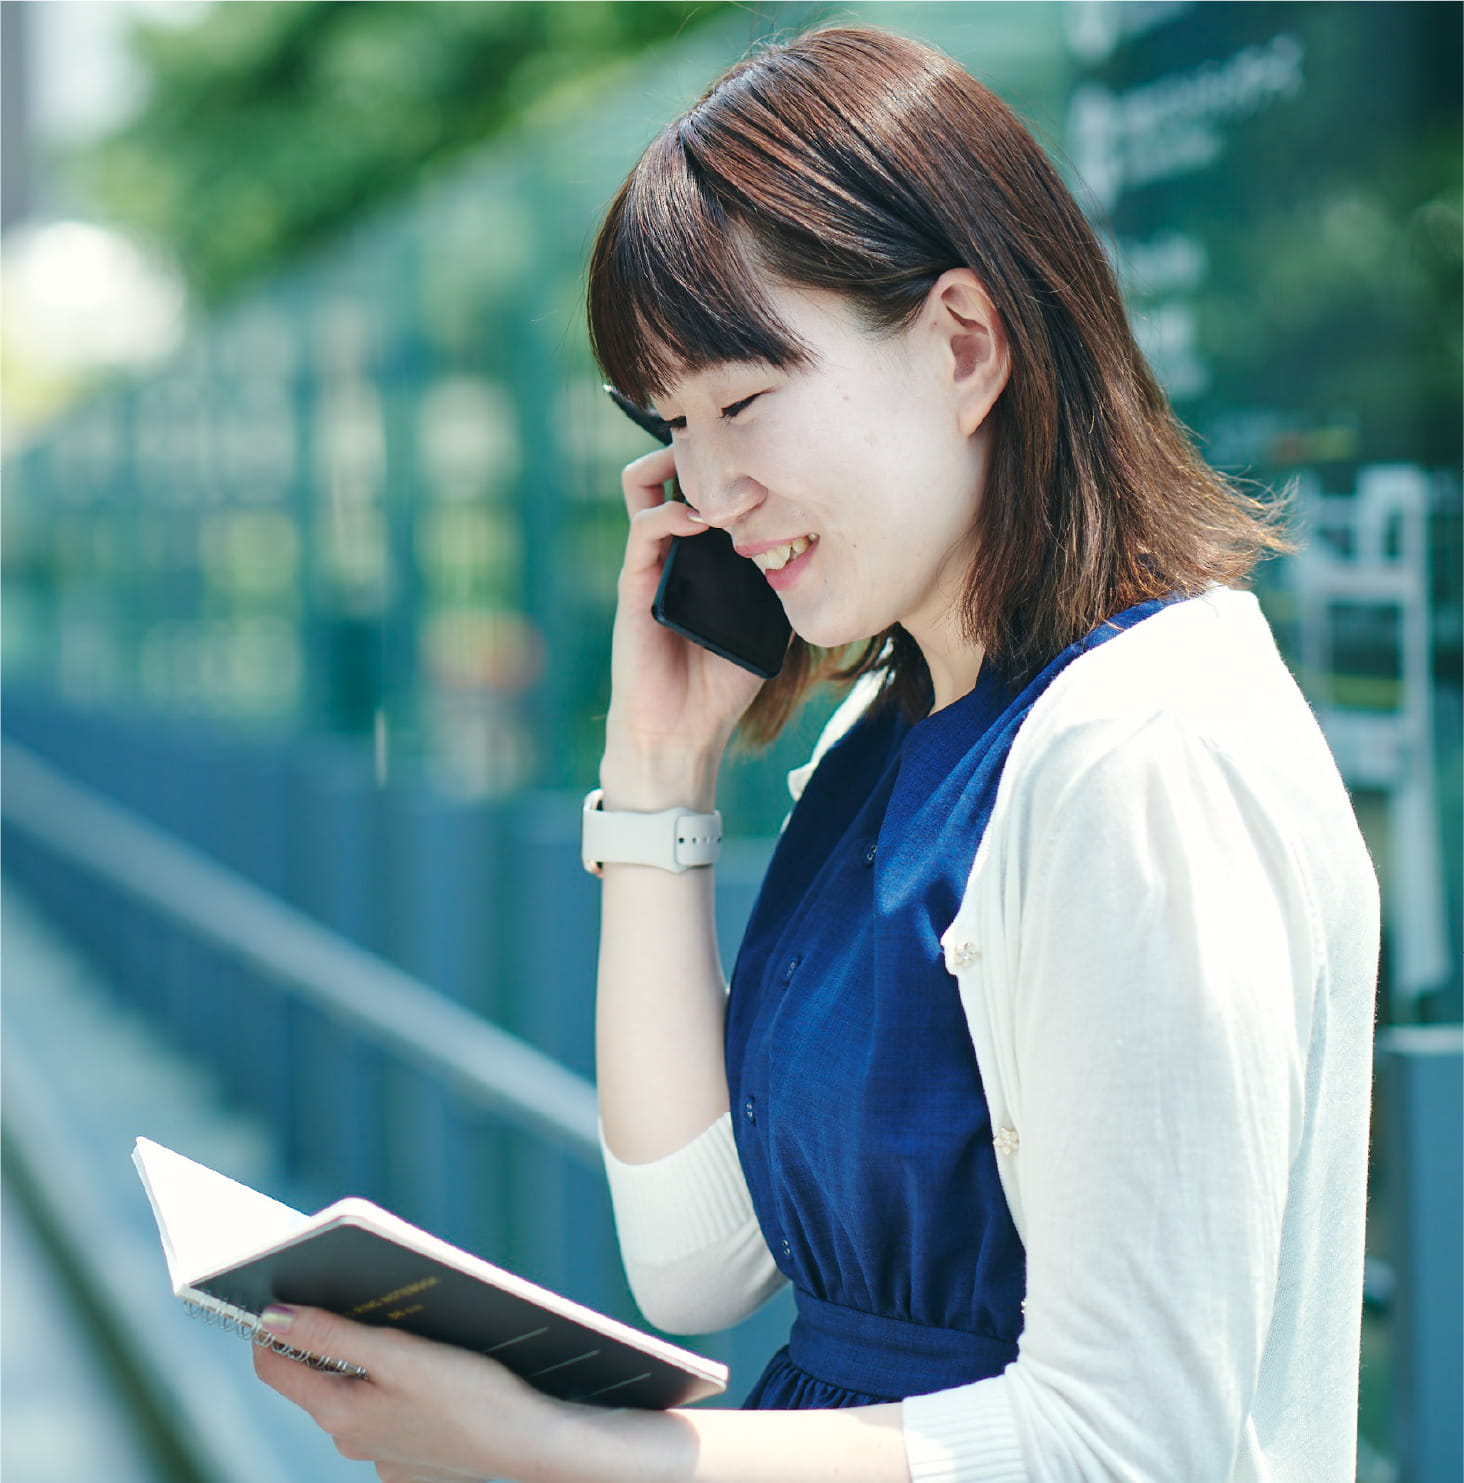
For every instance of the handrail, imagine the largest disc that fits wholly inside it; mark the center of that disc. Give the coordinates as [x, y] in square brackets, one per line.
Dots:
[389, 1007]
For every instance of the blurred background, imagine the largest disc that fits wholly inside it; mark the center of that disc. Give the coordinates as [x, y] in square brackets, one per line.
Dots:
[311, 522]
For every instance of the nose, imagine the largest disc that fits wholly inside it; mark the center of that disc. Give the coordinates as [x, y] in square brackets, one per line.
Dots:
[724, 503]
[721, 495]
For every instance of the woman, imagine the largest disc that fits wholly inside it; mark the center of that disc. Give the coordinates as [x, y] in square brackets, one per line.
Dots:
[1044, 1074]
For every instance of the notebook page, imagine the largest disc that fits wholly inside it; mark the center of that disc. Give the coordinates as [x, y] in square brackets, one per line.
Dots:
[206, 1220]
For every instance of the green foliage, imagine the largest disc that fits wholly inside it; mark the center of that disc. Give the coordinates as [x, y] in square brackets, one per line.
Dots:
[271, 125]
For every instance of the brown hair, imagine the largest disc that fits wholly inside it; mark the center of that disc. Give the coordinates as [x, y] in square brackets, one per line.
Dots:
[861, 162]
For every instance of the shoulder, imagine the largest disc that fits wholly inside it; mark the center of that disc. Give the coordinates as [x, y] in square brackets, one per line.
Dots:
[1191, 716]
[1203, 672]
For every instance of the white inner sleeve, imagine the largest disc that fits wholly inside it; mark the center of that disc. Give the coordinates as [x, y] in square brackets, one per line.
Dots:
[678, 1205]
[694, 1254]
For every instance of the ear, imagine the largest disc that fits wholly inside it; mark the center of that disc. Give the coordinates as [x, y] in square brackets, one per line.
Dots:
[970, 341]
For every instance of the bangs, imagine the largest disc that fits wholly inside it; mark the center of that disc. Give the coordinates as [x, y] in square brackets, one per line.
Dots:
[676, 283]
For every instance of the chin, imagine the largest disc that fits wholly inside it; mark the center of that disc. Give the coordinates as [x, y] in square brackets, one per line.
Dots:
[823, 633]
[819, 618]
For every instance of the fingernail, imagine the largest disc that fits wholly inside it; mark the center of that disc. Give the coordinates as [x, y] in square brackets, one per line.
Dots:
[692, 515]
[277, 1318]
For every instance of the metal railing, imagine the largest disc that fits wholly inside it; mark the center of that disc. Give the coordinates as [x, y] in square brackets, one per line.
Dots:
[383, 1005]
[370, 1080]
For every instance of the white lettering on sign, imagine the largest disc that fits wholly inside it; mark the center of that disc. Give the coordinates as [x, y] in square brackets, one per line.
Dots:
[1173, 125]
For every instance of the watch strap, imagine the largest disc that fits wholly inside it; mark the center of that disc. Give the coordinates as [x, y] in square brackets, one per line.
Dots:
[674, 839]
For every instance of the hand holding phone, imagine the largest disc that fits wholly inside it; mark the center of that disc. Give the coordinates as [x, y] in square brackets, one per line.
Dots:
[711, 595]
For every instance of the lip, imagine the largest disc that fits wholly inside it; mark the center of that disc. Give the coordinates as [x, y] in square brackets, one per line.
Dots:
[785, 577]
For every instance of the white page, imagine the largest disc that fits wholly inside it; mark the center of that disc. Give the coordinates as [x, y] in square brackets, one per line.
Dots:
[207, 1221]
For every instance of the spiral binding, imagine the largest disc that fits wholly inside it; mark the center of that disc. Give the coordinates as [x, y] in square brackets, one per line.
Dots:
[247, 1326]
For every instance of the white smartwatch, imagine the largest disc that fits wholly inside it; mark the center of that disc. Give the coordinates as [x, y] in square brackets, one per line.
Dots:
[674, 839]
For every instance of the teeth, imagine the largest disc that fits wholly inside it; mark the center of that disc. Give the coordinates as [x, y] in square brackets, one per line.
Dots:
[779, 557]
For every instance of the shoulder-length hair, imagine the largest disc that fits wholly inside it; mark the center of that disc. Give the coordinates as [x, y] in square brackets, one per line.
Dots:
[861, 162]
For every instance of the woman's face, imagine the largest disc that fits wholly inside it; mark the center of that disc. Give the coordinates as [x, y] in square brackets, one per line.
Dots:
[853, 481]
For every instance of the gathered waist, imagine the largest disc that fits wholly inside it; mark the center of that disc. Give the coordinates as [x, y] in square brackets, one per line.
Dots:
[888, 1356]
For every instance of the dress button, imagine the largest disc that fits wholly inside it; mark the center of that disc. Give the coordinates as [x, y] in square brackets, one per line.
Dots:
[787, 1249]
[962, 954]
[870, 852]
[749, 1110]
[790, 968]
[1007, 1139]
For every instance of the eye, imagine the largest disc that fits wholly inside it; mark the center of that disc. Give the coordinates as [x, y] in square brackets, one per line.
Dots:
[736, 407]
[678, 424]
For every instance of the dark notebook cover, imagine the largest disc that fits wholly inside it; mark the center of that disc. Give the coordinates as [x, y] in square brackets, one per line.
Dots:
[367, 1264]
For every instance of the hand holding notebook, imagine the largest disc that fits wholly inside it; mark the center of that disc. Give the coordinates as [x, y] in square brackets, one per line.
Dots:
[233, 1252]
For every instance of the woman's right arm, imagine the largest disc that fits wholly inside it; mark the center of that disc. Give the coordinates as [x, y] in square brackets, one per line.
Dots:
[673, 707]
[660, 1003]
[692, 1249]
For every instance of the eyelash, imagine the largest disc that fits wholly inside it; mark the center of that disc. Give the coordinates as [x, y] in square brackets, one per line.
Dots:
[678, 424]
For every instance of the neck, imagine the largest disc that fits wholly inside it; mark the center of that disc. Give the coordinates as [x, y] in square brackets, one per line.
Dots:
[954, 661]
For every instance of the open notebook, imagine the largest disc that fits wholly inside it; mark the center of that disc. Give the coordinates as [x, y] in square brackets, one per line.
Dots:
[232, 1251]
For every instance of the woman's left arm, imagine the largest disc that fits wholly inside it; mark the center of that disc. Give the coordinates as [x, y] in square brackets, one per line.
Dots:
[434, 1414]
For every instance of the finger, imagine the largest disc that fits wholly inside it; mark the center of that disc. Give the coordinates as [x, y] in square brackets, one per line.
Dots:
[644, 480]
[651, 529]
[314, 1391]
[318, 1343]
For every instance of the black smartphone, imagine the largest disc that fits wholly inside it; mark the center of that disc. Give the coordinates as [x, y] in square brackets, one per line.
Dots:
[709, 593]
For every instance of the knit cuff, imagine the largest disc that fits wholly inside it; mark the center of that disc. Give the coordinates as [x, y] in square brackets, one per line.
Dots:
[682, 1203]
[965, 1435]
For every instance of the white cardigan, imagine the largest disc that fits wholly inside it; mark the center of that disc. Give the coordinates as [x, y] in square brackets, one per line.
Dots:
[1167, 953]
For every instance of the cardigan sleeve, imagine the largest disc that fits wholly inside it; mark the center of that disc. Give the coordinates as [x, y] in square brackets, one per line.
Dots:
[1161, 970]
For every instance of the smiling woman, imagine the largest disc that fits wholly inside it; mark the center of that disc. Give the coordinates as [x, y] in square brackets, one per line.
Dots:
[1043, 1074]
[865, 166]
[874, 448]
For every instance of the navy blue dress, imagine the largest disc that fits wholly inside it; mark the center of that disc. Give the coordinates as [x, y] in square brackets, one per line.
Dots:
[858, 1108]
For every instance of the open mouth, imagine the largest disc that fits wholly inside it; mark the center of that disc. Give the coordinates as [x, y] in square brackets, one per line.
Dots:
[779, 557]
